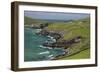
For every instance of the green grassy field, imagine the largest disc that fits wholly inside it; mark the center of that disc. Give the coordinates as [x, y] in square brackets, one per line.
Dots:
[82, 55]
[72, 29]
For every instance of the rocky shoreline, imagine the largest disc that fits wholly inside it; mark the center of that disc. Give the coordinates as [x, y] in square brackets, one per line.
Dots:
[55, 36]
[64, 44]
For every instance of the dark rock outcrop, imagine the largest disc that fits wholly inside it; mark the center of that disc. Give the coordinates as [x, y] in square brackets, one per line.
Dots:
[39, 26]
[49, 33]
[64, 43]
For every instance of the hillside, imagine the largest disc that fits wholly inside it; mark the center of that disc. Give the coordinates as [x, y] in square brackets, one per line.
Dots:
[29, 21]
[71, 30]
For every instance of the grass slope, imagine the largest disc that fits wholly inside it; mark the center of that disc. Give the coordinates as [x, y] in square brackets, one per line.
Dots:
[82, 55]
[72, 29]
[29, 21]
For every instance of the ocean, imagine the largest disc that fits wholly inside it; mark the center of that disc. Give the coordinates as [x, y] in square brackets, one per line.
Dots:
[33, 49]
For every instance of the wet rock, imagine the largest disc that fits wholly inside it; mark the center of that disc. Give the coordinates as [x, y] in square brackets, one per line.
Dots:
[64, 43]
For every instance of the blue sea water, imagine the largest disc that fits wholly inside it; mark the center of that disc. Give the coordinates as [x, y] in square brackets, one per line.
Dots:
[33, 49]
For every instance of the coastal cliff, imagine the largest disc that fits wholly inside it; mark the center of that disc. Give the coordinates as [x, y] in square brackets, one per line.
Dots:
[72, 36]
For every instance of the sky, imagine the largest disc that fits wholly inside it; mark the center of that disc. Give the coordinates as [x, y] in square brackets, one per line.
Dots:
[55, 15]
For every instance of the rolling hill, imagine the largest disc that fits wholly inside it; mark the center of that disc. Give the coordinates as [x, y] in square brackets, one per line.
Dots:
[71, 30]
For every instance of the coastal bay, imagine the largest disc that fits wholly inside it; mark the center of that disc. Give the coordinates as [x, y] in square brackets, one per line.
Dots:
[56, 40]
